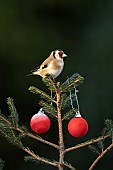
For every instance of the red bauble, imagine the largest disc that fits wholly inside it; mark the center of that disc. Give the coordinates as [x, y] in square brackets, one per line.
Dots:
[77, 127]
[40, 123]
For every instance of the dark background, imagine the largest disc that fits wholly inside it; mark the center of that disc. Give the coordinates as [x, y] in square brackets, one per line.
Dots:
[29, 31]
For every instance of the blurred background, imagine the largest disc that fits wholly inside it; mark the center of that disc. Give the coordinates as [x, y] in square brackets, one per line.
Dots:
[29, 31]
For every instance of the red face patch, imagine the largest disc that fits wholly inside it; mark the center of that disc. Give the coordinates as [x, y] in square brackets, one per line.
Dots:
[61, 53]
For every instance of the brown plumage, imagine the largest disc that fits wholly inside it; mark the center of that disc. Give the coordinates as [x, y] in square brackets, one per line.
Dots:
[53, 65]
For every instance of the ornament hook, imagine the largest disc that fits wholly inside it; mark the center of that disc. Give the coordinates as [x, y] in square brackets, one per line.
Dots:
[75, 94]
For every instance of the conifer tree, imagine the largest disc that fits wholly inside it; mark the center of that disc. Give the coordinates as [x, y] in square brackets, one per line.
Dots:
[64, 95]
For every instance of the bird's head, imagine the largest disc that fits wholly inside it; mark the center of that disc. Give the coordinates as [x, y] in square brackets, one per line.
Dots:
[59, 54]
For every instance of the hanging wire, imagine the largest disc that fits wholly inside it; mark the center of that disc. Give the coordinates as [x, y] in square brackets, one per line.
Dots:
[75, 93]
[76, 98]
[51, 96]
[70, 95]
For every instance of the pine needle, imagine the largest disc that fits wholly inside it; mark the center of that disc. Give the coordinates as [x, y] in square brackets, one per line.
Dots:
[1, 164]
[94, 149]
[69, 114]
[42, 94]
[76, 79]
[14, 115]
[48, 109]
[101, 145]
[50, 83]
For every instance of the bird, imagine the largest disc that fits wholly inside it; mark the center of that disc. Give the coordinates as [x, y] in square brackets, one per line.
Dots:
[53, 65]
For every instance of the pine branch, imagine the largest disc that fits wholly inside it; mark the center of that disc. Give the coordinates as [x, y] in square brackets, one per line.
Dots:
[7, 132]
[4, 120]
[84, 144]
[75, 79]
[42, 94]
[109, 124]
[24, 129]
[75, 75]
[10, 136]
[36, 137]
[101, 145]
[50, 82]
[14, 115]
[69, 114]
[60, 131]
[62, 101]
[104, 131]
[100, 156]
[108, 129]
[10, 129]
[94, 149]
[48, 109]
[39, 160]
[69, 166]
[36, 158]
[1, 164]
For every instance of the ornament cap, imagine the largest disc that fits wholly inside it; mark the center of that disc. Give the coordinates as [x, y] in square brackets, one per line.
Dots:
[41, 111]
[78, 114]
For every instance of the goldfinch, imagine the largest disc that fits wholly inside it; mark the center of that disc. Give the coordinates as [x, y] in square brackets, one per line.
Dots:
[53, 65]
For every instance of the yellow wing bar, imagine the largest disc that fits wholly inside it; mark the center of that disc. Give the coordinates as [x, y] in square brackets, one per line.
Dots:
[41, 67]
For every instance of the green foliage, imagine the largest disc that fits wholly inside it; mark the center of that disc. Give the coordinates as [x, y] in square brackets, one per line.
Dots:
[64, 97]
[14, 133]
[7, 132]
[14, 115]
[24, 128]
[108, 129]
[69, 114]
[67, 102]
[49, 109]
[1, 164]
[37, 160]
[101, 145]
[64, 102]
[76, 79]
[42, 94]
[49, 82]
[94, 149]
[109, 125]
[6, 129]
[7, 125]
[32, 159]
[69, 166]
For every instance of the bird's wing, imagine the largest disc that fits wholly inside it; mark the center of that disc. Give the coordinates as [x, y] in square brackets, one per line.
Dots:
[44, 64]
[48, 60]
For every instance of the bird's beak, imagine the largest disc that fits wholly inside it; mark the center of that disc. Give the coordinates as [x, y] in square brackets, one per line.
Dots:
[64, 55]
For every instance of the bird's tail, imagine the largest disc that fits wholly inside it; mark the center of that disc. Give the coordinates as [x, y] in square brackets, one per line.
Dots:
[29, 74]
[34, 72]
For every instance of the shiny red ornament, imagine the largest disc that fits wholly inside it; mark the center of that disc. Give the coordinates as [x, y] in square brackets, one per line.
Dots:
[77, 127]
[40, 123]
